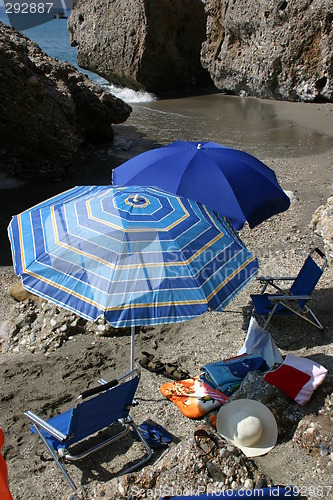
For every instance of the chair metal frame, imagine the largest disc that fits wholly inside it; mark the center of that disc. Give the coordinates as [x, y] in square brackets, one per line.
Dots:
[295, 304]
[65, 441]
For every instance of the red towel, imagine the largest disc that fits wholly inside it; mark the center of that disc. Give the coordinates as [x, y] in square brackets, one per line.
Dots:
[297, 377]
[4, 489]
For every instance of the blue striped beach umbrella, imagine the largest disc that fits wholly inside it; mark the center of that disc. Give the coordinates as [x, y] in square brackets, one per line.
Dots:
[133, 255]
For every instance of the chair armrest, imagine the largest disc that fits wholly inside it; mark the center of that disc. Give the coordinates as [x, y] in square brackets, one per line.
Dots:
[319, 252]
[135, 372]
[275, 278]
[98, 389]
[46, 426]
[277, 298]
[271, 281]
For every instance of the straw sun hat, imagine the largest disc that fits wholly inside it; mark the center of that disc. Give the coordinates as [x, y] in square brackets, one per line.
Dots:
[249, 425]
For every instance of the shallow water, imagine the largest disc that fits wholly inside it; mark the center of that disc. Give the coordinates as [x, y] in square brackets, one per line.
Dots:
[262, 128]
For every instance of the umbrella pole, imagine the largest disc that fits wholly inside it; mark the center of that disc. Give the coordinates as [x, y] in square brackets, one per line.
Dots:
[132, 347]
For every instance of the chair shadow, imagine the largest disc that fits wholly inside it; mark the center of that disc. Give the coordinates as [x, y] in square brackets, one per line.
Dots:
[291, 332]
[113, 460]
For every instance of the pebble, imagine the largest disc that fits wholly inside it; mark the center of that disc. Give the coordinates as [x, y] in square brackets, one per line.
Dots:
[324, 449]
[231, 448]
[72, 496]
[121, 490]
[230, 472]
[248, 484]
[311, 430]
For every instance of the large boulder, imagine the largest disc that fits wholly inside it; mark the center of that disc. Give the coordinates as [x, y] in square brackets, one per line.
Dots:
[50, 112]
[153, 44]
[279, 50]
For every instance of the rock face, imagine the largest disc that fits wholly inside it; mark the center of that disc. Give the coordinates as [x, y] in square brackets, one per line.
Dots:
[278, 50]
[322, 224]
[150, 44]
[50, 112]
[39, 326]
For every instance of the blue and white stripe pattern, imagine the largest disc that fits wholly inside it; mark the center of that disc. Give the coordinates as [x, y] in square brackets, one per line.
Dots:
[135, 255]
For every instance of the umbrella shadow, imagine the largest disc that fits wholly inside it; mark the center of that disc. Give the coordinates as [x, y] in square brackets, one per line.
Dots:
[291, 332]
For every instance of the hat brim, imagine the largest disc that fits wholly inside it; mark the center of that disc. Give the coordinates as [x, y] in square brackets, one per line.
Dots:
[270, 431]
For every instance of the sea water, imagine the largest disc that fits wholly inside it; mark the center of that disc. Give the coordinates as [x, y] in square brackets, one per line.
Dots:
[53, 38]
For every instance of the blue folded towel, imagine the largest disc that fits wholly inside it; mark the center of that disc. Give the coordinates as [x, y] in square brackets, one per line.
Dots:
[155, 435]
[227, 375]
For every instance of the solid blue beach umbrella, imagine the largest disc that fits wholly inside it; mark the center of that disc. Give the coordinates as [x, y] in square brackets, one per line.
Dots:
[232, 182]
[133, 255]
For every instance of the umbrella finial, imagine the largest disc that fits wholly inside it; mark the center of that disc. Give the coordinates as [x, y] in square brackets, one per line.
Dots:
[199, 146]
[136, 198]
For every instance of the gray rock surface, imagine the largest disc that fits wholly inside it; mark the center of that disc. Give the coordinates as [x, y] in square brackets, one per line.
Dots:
[279, 50]
[40, 326]
[141, 44]
[50, 112]
[322, 224]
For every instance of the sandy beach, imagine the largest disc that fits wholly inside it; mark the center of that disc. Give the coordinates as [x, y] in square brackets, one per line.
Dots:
[47, 382]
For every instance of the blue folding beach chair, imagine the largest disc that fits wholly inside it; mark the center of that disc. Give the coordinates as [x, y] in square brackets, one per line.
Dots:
[294, 301]
[94, 410]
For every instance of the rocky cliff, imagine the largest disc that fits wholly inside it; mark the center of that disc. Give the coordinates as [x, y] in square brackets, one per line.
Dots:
[269, 49]
[50, 112]
[150, 44]
[279, 50]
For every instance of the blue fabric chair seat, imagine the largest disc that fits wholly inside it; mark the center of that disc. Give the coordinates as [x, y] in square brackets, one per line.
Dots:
[94, 410]
[264, 306]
